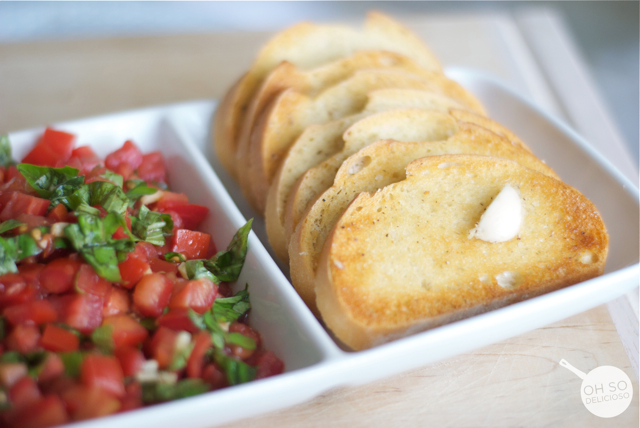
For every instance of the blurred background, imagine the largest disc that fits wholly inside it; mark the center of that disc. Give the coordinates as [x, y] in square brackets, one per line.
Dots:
[605, 34]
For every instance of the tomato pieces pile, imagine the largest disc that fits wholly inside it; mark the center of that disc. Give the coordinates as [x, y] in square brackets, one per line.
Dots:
[110, 299]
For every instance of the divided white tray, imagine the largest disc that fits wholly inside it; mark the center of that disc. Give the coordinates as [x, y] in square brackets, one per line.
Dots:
[314, 362]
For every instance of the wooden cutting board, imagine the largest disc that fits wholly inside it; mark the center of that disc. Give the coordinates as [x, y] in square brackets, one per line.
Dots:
[517, 382]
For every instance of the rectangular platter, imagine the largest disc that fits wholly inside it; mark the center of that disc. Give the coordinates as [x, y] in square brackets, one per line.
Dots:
[314, 361]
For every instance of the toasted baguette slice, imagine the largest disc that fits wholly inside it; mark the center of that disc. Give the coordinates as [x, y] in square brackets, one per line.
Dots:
[291, 112]
[401, 260]
[307, 46]
[319, 178]
[372, 168]
[319, 142]
[310, 82]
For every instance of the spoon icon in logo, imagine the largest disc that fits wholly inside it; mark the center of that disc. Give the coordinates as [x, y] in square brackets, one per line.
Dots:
[606, 391]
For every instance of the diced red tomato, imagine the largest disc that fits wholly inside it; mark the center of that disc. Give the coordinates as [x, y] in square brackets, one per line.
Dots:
[103, 371]
[58, 276]
[52, 368]
[36, 312]
[152, 294]
[81, 311]
[58, 339]
[214, 376]
[54, 147]
[86, 402]
[192, 215]
[33, 221]
[20, 203]
[127, 158]
[152, 168]
[133, 397]
[86, 158]
[131, 359]
[269, 365]
[159, 265]
[10, 373]
[116, 302]
[16, 290]
[23, 338]
[177, 319]
[126, 331]
[169, 200]
[192, 245]
[195, 294]
[88, 281]
[163, 346]
[134, 267]
[195, 363]
[58, 213]
[177, 220]
[24, 392]
[47, 411]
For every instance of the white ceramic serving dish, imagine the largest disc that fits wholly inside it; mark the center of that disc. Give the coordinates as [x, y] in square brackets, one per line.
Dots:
[314, 362]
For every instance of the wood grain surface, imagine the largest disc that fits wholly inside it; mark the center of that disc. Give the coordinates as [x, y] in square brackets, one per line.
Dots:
[517, 382]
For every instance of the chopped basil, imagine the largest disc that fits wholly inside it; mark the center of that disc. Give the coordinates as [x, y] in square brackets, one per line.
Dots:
[92, 238]
[226, 265]
[15, 249]
[151, 226]
[55, 184]
[149, 323]
[158, 392]
[102, 337]
[72, 362]
[179, 360]
[11, 357]
[196, 269]
[241, 340]
[5, 151]
[10, 224]
[236, 370]
[196, 319]
[3, 327]
[113, 177]
[170, 256]
[229, 309]
[139, 189]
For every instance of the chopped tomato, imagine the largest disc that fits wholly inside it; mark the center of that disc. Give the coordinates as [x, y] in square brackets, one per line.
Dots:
[116, 302]
[152, 168]
[177, 319]
[86, 158]
[54, 147]
[125, 160]
[133, 397]
[125, 330]
[36, 312]
[52, 368]
[269, 365]
[23, 338]
[134, 267]
[195, 294]
[88, 281]
[24, 392]
[17, 203]
[47, 411]
[159, 265]
[192, 245]
[103, 371]
[163, 346]
[169, 200]
[58, 276]
[152, 294]
[87, 401]
[131, 359]
[81, 311]
[120, 233]
[195, 363]
[16, 290]
[192, 215]
[214, 376]
[58, 339]
[58, 213]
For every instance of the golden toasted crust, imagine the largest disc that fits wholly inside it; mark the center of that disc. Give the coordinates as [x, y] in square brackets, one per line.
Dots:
[291, 112]
[224, 131]
[401, 260]
[307, 45]
[318, 142]
[471, 117]
[375, 167]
